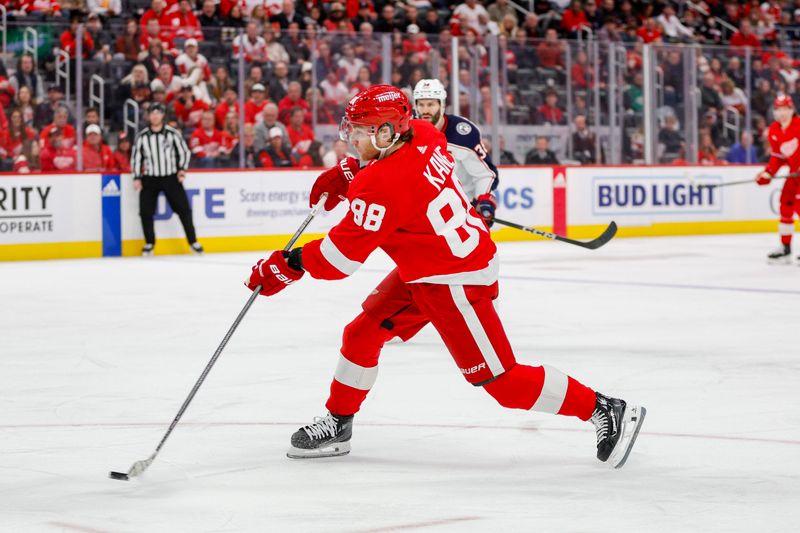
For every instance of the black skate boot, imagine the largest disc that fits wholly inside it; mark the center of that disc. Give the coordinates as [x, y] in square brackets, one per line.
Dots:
[781, 255]
[617, 425]
[328, 436]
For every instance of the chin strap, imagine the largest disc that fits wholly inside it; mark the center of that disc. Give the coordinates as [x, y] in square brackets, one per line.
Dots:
[383, 150]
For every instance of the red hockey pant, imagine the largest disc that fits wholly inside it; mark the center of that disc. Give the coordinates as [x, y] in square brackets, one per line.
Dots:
[465, 318]
[790, 204]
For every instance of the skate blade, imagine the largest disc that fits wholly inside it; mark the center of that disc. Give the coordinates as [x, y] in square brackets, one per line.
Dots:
[332, 450]
[780, 261]
[632, 421]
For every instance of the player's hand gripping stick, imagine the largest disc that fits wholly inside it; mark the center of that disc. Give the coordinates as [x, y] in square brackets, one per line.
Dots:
[139, 467]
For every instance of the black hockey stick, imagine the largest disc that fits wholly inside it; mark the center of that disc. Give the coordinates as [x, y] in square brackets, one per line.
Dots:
[594, 244]
[743, 182]
[139, 467]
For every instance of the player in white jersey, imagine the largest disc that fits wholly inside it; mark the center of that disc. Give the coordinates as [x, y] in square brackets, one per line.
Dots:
[474, 167]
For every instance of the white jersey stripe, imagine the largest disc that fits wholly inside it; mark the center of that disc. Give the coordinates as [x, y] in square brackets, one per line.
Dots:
[554, 391]
[336, 258]
[486, 276]
[356, 376]
[476, 329]
[785, 229]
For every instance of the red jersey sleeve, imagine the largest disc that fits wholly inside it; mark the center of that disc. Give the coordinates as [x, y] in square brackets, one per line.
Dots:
[375, 213]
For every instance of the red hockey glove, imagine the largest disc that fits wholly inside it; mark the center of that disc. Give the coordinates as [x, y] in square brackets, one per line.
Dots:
[485, 205]
[335, 181]
[274, 274]
[764, 178]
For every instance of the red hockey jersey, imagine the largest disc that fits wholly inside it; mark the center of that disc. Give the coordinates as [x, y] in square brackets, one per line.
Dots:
[410, 205]
[785, 146]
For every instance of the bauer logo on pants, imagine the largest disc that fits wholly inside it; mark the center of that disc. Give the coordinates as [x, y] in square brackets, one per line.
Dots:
[652, 195]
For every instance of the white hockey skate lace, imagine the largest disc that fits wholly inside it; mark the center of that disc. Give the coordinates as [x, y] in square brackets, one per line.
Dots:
[322, 426]
[600, 421]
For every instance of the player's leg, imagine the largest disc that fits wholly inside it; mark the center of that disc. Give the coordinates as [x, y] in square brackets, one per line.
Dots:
[176, 196]
[388, 312]
[788, 204]
[148, 199]
[467, 321]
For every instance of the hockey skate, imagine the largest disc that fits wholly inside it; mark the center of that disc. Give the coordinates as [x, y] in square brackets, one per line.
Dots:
[197, 248]
[328, 436]
[617, 425]
[781, 255]
[147, 250]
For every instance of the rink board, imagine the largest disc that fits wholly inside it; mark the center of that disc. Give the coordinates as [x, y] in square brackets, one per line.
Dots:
[94, 215]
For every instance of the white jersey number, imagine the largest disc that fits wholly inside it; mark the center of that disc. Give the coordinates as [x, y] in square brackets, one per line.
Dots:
[369, 216]
[457, 220]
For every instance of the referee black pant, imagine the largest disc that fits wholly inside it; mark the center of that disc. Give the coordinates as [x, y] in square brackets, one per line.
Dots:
[176, 196]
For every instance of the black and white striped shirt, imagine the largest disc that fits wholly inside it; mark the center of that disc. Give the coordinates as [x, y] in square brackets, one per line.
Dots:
[159, 153]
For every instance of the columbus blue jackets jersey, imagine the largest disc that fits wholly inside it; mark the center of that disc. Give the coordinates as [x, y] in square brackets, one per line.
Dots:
[474, 166]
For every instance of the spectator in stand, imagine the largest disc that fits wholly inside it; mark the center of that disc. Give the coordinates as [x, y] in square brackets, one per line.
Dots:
[363, 81]
[255, 104]
[193, 67]
[253, 45]
[275, 50]
[26, 105]
[122, 155]
[97, 156]
[294, 44]
[735, 71]
[184, 23]
[349, 64]
[256, 75]
[325, 61]
[334, 92]
[292, 99]
[743, 152]
[27, 76]
[66, 131]
[499, 10]
[432, 24]
[506, 157]
[710, 99]
[155, 57]
[279, 81]
[136, 85]
[582, 72]
[101, 38]
[300, 134]
[473, 14]
[221, 82]
[189, 110]
[105, 8]
[336, 15]
[541, 153]
[337, 152]
[172, 84]
[276, 153]
[128, 45]
[733, 96]
[7, 93]
[761, 100]
[210, 21]
[549, 112]
[208, 144]
[707, 153]
[288, 15]
[788, 72]
[13, 138]
[235, 17]
[58, 153]
[158, 12]
[231, 127]
[671, 140]
[269, 120]
[42, 8]
[674, 30]
[573, 20]
[551, 51]
[68, 39]
[650, 32]
[365, 13]
[387, 23]
[416, 44]
[584, 143]
[744, 37]
[229, 103]
[45, 111]
[250, 155]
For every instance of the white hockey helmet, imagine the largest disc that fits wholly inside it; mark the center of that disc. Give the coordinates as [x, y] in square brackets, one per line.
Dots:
[430, 90]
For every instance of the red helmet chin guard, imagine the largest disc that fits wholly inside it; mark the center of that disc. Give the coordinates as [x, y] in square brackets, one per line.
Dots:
[376, 107]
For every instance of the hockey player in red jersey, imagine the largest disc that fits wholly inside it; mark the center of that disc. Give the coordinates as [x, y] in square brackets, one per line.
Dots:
[784, 141]
[407, 201]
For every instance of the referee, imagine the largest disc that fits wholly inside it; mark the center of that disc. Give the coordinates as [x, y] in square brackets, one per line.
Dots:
[158, 162]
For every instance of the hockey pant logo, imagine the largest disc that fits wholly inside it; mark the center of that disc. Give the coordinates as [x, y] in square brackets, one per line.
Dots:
[473, 370]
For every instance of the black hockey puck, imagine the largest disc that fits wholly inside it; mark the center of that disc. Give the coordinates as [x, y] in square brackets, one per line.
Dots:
[119, 475]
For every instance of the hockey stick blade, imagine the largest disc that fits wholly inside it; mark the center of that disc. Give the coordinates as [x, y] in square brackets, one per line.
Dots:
[139, 467]
[594, 244]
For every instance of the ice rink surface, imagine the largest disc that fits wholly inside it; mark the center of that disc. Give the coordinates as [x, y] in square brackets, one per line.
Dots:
[97, 356]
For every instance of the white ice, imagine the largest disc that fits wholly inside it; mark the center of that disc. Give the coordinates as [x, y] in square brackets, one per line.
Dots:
[97, 356]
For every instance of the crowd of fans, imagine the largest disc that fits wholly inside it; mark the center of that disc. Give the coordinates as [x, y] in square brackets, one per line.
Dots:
[304, 59]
